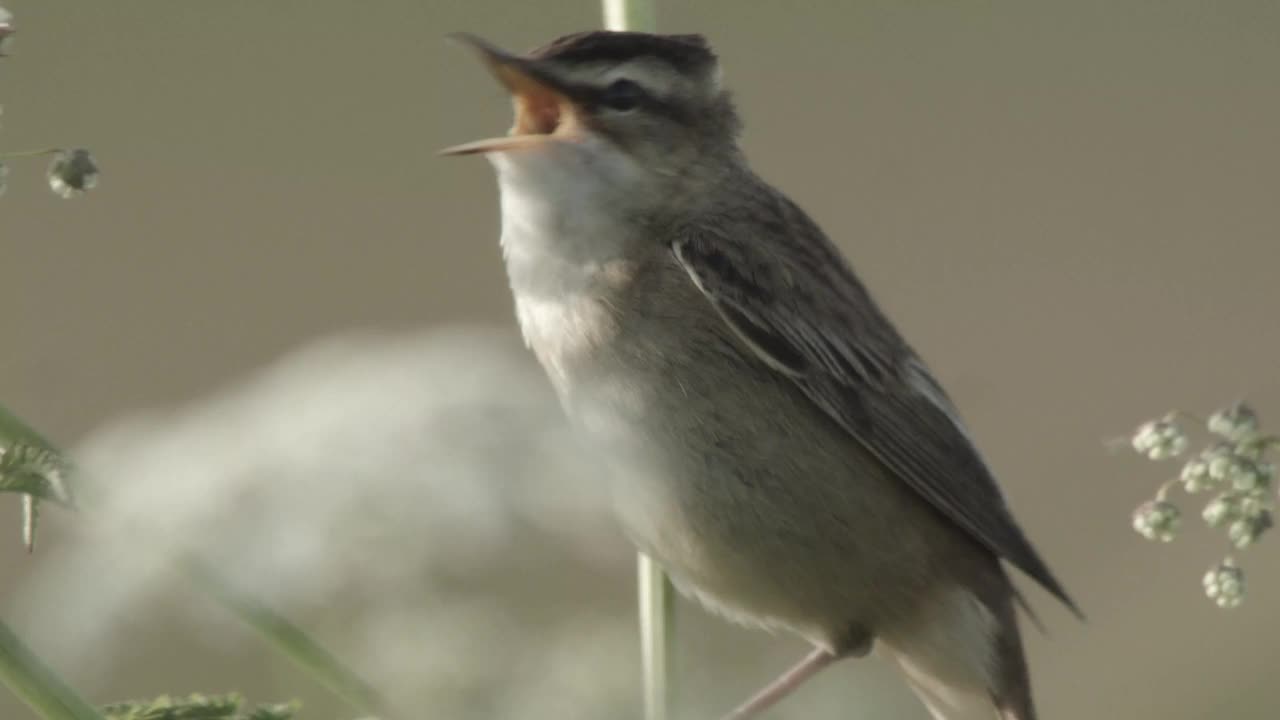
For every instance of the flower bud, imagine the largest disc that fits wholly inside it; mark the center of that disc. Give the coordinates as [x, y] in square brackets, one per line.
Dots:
[1254, 502]
[1225, 467]
[72, 173]
[1159, 439]
[1249, 475]
[1224, 584]
[1195, 476]
[1246, 530]
[1157, 520]
[1219, 511]
[1234, 423]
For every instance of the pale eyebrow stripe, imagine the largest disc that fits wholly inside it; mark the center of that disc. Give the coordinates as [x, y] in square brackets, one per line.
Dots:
[655, 76]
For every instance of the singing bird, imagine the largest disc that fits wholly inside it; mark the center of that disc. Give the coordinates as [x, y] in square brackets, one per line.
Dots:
[774, 442]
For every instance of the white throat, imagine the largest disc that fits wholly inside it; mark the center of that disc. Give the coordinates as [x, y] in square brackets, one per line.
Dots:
[565, 238]
[563, 214]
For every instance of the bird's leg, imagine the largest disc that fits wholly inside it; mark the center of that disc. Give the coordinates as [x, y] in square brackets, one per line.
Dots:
[784, 685]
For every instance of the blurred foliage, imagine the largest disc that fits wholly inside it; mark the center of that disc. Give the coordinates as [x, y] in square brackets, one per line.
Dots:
[30, 465]
[198, 707]
[287, 638]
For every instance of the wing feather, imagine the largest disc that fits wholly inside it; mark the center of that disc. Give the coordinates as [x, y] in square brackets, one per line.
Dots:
[846, 357]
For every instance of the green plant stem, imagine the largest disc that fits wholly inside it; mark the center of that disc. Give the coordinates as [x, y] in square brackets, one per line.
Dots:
[29, 153]
[655, 593]
[289, 639]
[641, 15]
[37, 684]
[657, 635]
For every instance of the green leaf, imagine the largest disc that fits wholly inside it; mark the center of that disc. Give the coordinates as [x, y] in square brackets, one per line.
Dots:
[32, 466]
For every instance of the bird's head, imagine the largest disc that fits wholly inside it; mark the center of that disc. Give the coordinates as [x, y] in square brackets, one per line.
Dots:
[624, 110]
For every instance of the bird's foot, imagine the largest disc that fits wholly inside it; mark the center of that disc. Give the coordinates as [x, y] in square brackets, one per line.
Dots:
[784, 685]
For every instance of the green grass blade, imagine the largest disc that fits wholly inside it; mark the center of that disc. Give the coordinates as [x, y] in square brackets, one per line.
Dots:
[37, 684]
[289, 639]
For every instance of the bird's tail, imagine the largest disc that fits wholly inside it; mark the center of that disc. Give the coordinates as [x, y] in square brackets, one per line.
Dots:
[1012, 691]
[965, 661]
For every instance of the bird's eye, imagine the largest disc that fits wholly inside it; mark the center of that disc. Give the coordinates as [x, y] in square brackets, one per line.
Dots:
[622, 95]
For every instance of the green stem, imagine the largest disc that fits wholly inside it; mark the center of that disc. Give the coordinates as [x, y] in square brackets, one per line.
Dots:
[657, 635]
[29, 153]
[656, 595]
[37, 684]
[637, 15]
[1175, 415]
[1163, 492]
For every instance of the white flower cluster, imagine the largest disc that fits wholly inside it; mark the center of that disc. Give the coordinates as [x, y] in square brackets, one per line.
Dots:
[1234, 467]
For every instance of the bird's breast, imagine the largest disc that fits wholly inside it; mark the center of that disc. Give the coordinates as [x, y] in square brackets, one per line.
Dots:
[566, 333]
[720, 467]
[572, 266]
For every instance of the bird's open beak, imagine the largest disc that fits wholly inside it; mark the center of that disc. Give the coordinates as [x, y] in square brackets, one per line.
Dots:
[542, 107]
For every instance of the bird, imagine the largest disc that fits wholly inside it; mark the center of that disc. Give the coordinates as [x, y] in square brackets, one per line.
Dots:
[772, 439]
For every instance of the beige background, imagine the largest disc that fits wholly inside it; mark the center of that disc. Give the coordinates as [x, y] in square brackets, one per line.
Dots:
[1070, 208]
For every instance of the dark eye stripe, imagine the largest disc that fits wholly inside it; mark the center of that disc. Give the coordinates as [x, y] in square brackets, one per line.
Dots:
[592, 98]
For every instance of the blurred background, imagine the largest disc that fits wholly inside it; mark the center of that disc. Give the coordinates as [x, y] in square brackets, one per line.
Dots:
[279, 331]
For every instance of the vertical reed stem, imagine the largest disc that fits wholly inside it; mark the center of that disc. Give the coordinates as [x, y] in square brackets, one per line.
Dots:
[656, 596]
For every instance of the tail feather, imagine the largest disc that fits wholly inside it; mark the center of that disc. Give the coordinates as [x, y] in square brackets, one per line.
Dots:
[964, 657]
[1012, 691]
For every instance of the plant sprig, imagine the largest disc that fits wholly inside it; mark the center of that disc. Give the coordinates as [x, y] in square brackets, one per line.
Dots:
[1234, 469]
[31, 465]
[72, 171]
